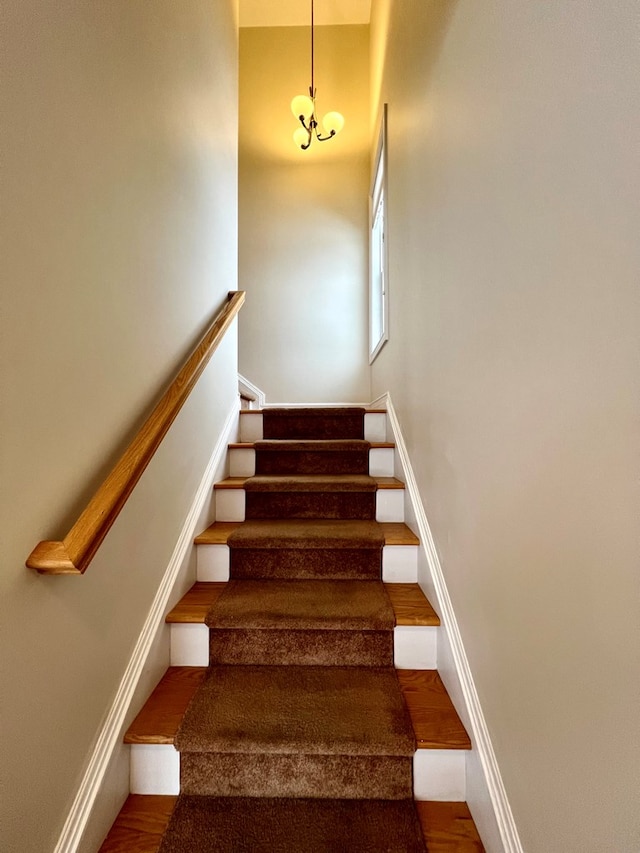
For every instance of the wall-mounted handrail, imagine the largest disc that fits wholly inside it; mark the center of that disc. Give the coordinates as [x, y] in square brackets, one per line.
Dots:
[77, 549]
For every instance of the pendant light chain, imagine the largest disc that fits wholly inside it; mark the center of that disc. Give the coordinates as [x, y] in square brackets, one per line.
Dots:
[304, 108]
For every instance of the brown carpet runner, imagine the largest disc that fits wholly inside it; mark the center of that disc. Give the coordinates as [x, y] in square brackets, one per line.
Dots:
[314, 549]
[311, 496]
[299, 740]
[325, 623]
[297, 731]
[312, 457]
[316, 424]
[269, 825]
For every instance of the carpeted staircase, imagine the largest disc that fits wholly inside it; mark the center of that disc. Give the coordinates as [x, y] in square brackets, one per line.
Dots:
[296, 738]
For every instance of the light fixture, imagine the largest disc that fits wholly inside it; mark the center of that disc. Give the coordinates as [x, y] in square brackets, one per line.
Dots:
[304, 109]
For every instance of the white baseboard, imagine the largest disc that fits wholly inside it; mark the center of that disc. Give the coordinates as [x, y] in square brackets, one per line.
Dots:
[85, 798]
[479, 732]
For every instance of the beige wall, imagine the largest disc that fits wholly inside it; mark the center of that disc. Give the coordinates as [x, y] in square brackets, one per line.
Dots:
[303, 217]
[513, 363]
[119, 206]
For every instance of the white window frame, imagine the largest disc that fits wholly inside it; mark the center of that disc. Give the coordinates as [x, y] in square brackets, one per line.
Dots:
[379, 250]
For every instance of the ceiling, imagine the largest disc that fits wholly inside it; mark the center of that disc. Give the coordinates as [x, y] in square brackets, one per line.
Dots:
[297, 13]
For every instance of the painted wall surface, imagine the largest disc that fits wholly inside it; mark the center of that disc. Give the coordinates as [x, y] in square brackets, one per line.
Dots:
[513, 363]
[304, 217]
[119, 220]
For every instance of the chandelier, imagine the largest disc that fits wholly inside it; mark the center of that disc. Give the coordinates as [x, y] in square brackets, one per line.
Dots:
[304, 109]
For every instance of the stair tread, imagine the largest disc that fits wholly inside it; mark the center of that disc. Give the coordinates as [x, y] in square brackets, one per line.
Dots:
[308, 533]
[320, 605]
[140, 824]
[196, 603]
[311, 483]
[366, 410]
[163, 711]
[409, 603]
[315, 710]
[448, 827]
[323, 443]
[435, 721]
[238, 482]
[394, 532]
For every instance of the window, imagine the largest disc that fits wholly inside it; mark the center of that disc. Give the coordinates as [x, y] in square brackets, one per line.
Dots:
[378, 264]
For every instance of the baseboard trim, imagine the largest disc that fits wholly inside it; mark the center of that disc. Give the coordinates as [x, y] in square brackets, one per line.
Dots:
[479, 731]
[83, 803]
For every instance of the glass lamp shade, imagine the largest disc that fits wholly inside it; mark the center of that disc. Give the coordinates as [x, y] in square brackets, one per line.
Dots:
[300, 137]
[333, 121]
[302, 105]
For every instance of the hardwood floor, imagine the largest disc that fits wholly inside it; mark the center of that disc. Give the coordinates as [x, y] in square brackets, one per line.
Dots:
[163, 711]
[410, 605]
[435, 721]
[140, 825]
[448, 828]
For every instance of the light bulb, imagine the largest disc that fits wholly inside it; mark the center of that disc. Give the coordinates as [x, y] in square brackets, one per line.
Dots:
[300, 137]
[302, 105]
[333, 121]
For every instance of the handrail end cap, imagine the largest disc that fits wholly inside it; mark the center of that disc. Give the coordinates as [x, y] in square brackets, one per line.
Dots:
[51, 558]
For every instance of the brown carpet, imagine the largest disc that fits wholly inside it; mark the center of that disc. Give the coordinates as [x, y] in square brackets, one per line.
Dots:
[312, 457]
[313, 549]
[253, 825]
[313, 423]
[297, 731]
[329, 605]
[298, 709]
[311, 496]
[322, 623]
[298, 739]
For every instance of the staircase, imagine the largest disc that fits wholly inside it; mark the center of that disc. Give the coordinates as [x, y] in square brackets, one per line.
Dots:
[303, 710]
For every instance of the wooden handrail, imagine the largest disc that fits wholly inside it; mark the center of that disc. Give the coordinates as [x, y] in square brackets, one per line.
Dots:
[77, 549]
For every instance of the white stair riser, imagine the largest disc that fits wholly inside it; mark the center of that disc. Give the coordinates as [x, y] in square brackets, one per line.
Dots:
[415, 646]
[399, 563]
[375, 426]
[230, 505]
[250, 427]
[189, 644]
[242, 462]
[390, 505]
[438, 774]
[154, 769]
